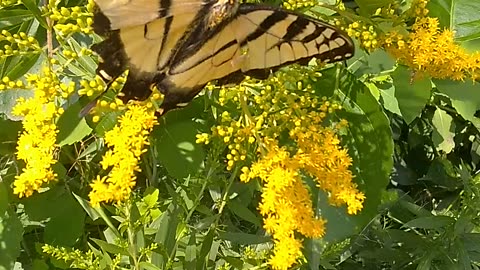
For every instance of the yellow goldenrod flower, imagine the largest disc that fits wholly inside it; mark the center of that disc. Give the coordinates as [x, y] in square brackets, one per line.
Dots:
[285, 109]
[72, 19]
[430, 50]
[322, 157]
[127, 141]
[36, 145]
[285, 205]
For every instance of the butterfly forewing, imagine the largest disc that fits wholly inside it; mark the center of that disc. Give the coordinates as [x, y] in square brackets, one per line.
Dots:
[257, 38]
[179, 46]
[150, 47]
[127, 13]
[287, 38]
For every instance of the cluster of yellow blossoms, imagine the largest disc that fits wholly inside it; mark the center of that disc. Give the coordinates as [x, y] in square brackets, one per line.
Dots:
[293, 114]
[433, 51]
[8, 3]
[286, 204]
[297, 4]
[18, 44]
[127, 141]
[365, 34]
[36, 145]
[76, 19]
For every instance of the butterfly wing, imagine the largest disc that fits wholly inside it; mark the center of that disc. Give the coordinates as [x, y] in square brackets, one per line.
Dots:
[118, 14]
[141, 36]
[253, 42]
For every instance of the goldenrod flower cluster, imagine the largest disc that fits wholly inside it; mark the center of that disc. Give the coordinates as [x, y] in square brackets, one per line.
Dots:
[389, 11]
[286, 204]
[8, 3]
[76, 258]
[36, 145]
[433, 51]
[297, 4]
[365, 34]
[71, 55]
[96, 87]
[77, 19]
[18, 44]
[417, 9]
[127, 141]
[92, 87]
[6, 83]
[275, 111]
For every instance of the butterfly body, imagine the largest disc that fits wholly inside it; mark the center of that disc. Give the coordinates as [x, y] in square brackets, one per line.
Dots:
[181, 45]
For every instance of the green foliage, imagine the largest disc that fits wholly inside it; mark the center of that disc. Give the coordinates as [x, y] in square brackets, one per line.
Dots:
[415, 134]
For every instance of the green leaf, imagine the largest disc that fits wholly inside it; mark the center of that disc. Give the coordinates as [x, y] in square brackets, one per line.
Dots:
[207, 245]
[464, 261]
[11, 231]
[3, 198]
[13, 17]
[151, 198]
[387, 92]
[464, 96]
[441, 9]
[412, 94]
[177, 150]
[368, 7]
[32, 6]
[370, 144]
[92, 213]
[64, 217]
[71, 127]
[191, 253]
[471, 241]
[134, 215]
[461, 17]
[242, 211]
[443, 133]
[106, 123]
[244, 238]
[166, 234]
[85, 61]
[475, 152]
[435, 222]
[374, 90]
[8, 134]
[110, 248]
[426, 261]
[148, 266]
[443, 173]
[372, 63]
[21, 64]
[417, 210]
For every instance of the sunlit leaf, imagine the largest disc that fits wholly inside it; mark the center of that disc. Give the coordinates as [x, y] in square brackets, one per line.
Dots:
[412, 93]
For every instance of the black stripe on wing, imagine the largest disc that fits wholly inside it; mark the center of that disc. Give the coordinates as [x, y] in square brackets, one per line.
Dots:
[294, 30]
[266, 24]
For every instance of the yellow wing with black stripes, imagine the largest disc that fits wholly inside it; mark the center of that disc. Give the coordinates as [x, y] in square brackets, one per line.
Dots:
[181, 45]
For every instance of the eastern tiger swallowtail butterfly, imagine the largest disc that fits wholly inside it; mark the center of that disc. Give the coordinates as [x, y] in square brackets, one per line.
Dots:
[181, 45]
